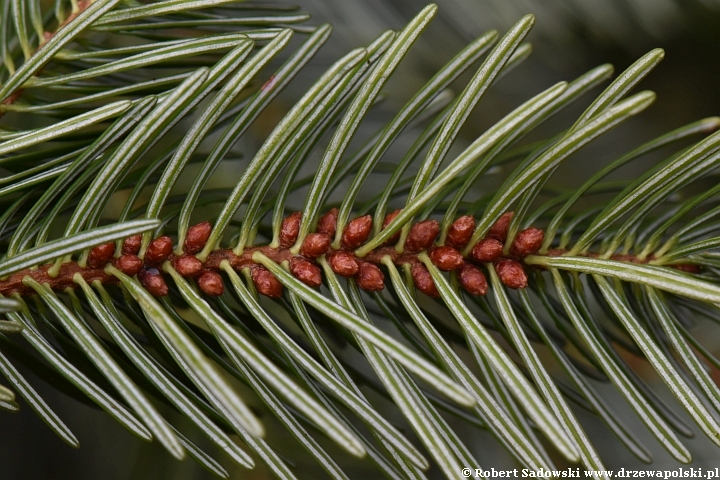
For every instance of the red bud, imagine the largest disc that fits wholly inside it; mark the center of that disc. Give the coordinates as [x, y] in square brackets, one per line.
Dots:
[357, 232]
[188, 265]
[196, 237]
[423, 280]
[100, 255]
[159, 250]
[499, 229]
[131, 245]
[370, 277]
[327, 224]
[511, 273]
[446, 258]
[315, 244]
[343, 263]
[422, 235]
[487, 250]
[266, 283]
[153, 282]
[305, 271]
[290, 229]
[527, 242]
[460, 232]
[129, 264]
[473, 280]
[388, 219]
[211, 284]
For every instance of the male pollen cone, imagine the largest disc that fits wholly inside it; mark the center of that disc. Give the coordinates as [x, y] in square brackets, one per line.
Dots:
[511, 273]
[129, 264]
[357, 232]
[487, 250]
[527, 242]
[153, 282]
[473, 280]
[343, 263]
[211, 283]
[187, 265]
[446, 258]
[499, 230]
[315, 244]
[423, 280]
[327, 224]
[460, 232]
[196, 237]
[265, 282]
[101, 255]
[131, 245]
[289, 229]
[370, 277]
[386, 221]
[422, 235]
[305, 271]
[159, 250]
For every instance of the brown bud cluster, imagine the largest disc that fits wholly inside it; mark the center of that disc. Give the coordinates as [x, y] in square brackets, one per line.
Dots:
[460, 232]
[159, 250]
[422, 235]
[366, 272]
[423, 280]
[491, 250]
[196, 237]
[265, 282]
[357, 232]
[153, 281]
[290, 229]
[211, 284]
[101, 255]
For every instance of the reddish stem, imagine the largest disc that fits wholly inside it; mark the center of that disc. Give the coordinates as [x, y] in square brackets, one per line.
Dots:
[304, 267]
